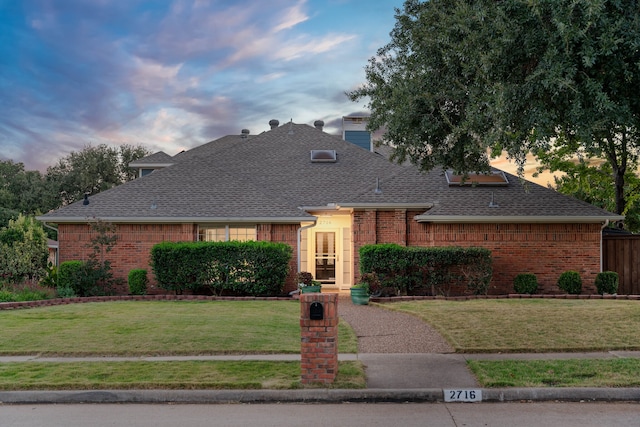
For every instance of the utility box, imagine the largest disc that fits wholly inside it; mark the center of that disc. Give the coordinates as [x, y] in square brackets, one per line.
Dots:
[319, 337]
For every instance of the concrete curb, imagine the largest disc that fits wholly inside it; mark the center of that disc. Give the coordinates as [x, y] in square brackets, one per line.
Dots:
[312, 396]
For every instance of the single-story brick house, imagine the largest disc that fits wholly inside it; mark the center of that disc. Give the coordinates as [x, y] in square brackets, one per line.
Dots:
[327, 197]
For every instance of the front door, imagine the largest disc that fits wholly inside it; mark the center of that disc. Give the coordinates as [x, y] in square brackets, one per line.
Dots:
[325, 257]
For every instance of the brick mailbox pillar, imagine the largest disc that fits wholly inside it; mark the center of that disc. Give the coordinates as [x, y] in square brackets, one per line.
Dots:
[319, 337]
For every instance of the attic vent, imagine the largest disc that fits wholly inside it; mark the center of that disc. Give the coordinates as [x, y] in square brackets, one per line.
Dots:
[327, 156]
[492, 179]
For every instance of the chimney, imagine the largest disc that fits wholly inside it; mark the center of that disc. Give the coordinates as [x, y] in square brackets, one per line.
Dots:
[319, 124]
[274, 123]
[244, 134]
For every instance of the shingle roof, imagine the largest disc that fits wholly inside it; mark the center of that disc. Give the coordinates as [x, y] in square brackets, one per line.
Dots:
[156, 158]
[270, 177]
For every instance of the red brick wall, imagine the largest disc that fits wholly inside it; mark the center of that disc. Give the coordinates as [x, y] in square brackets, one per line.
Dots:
[544, 249]
[133, 247]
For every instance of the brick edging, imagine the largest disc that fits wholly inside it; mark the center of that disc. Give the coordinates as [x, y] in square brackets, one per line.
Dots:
[509, 296]
[63, 301]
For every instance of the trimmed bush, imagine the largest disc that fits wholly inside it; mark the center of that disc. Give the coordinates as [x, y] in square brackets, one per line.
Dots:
[607, 282]
[570, 282]
[67, 273]
[138, 281]
[525, 283]
[435, 271]
[241, 268]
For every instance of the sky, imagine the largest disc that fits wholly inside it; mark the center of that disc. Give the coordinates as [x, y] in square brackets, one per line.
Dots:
[173, 74]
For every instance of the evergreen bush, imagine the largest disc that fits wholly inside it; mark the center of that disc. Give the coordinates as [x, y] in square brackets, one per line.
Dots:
[240, 268]
[525, 283]
[607, 282]
[138, 281]
[570, 282]
[410, 270]
[68, 272]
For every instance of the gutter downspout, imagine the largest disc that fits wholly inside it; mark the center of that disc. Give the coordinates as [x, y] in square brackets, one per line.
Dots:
[604, 225]
[300, 240]
[56, 230]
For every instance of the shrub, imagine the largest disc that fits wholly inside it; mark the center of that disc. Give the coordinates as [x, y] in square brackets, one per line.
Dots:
[50, 279]
[138, 282]
[65, 292]
[86, 278]
[23, 250]
[525, 283]
[414, 270]
[244, 268]
[68, 272]
[607, 282]
[7, 296]
[570, 282]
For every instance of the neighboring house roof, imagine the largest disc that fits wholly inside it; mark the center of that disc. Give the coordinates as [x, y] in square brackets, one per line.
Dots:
[270, 178]
[159, 159]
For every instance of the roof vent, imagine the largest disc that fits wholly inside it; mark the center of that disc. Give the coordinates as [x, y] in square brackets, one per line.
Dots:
[274, 123]
[245, 133]
[323, 156]
[319, 124]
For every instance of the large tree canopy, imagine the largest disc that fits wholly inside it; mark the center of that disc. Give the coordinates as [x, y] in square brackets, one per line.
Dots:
[461, 79]
[92, 170]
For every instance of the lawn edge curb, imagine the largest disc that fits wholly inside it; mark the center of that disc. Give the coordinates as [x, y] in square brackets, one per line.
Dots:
[313, 396]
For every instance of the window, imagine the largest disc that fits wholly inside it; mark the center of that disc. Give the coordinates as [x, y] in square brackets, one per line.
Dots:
[225, 233]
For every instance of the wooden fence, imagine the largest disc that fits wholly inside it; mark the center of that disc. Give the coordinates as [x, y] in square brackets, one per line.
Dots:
[622, 255]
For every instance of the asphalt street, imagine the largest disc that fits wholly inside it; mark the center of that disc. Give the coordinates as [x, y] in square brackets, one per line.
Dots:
[312, 415]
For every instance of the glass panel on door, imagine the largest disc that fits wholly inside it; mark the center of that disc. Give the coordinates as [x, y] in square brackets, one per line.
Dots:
[326, 257]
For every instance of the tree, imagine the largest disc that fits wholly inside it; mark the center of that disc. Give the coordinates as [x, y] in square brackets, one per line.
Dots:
[589, 179]
[92, 170]
[460, 78]
[23, 250]
[23, 191]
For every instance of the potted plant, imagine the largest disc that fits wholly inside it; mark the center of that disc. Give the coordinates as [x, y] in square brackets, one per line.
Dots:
[306, 284]
[360, 293]
[369, 285]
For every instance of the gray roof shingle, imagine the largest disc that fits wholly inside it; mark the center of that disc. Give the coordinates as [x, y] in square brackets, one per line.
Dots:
[270, 177]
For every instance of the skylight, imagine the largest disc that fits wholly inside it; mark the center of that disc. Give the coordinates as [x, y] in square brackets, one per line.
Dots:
[492, 179]
[326, 156]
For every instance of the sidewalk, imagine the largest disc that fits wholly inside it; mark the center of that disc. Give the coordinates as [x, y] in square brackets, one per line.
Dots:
[391, 377]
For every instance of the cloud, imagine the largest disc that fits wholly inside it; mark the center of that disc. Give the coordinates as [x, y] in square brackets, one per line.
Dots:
[170, 74]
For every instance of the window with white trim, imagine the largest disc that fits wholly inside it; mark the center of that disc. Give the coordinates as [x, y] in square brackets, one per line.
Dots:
[225, 233]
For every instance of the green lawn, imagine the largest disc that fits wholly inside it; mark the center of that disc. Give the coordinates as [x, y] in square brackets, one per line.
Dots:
[201, 375]
[539, 325]
[622, 372]
[136, 328]
[531, 325]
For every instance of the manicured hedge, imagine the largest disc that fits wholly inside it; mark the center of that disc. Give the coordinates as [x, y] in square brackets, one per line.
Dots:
[435, 271]
[242, 268]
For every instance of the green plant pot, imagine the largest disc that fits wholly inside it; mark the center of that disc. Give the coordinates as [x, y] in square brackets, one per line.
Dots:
[310, 289]
[359, 296]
